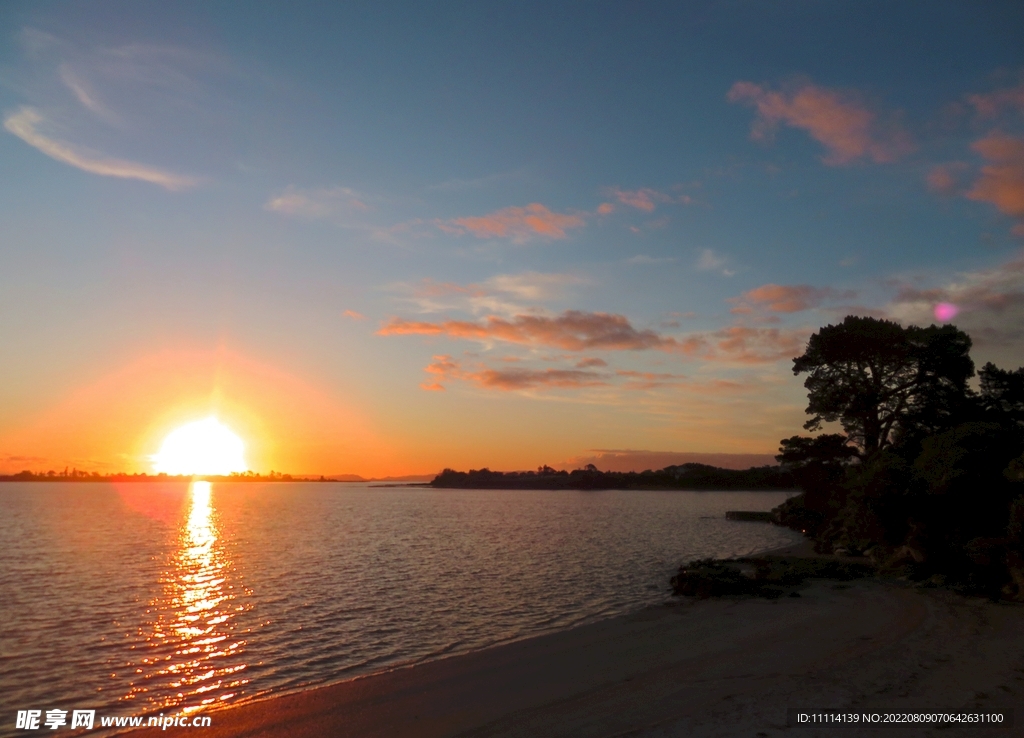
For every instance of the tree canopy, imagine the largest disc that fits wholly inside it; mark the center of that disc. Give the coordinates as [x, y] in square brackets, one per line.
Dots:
[878, 378]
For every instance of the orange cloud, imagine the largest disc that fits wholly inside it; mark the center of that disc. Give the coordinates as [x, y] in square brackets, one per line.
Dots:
[644, 199]
[605, 208]
[780, 298]
[516, 223]
[841, 123]
[573, 330]
[353, 314]
[1002, 181]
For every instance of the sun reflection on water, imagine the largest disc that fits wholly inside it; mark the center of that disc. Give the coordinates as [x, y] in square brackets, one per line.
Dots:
[191, 656]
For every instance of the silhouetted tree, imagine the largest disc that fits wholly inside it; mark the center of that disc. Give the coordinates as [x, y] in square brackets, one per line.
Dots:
[876, 377]
[1002, 392]
[819, 466]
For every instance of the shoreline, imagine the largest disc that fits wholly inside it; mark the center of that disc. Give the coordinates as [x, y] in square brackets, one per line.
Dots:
[704, 668]
[688, 668]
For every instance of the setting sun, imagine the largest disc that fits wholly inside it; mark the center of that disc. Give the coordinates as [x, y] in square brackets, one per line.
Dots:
[203, 447]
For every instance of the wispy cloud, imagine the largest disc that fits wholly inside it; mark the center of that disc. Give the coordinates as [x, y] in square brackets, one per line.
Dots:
[505, 294]
[475, 183]
[945, 179]
[445, 369]
[157, 97]
[649, 380]
[353, 315]
[519, 224]
[430, 296]
[839, 121]
[644, 259]
[25, 124]
[709, 261]
[532, 285]
[645, 199]
[345, 208]
[739, 344]
[85, 95]
[323, 202]
[989, 302]
[991, 104]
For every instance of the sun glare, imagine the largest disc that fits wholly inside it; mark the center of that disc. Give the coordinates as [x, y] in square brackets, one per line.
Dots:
[203, 447]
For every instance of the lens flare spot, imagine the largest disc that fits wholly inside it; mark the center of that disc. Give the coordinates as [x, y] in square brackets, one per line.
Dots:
[203, 447]
[946, 311]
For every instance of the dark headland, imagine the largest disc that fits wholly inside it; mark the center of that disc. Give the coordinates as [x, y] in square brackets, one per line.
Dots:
[683, 476]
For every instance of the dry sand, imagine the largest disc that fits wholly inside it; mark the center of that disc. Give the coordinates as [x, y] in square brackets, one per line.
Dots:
[707, 668]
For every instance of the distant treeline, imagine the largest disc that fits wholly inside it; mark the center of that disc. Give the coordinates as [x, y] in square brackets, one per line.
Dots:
[80, 476]
[682, 476]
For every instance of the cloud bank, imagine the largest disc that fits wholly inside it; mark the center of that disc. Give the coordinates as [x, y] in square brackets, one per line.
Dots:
[576, 330]
[573, 330]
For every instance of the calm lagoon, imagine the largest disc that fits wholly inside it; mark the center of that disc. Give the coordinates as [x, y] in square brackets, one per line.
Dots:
[137, 598]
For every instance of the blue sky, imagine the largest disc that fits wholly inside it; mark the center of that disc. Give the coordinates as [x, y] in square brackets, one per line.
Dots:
[387, 238]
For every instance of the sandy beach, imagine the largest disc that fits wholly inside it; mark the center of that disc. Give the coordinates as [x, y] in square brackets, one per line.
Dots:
[727, 667]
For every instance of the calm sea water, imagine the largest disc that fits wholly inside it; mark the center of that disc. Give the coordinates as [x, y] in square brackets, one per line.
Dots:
[140, 598]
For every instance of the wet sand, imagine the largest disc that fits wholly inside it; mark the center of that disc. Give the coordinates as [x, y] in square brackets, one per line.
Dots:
[706, 668]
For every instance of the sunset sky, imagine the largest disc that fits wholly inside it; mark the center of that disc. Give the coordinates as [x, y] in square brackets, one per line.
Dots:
[386, 238]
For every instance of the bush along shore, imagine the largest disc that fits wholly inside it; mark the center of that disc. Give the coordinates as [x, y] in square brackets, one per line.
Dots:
[927, 479]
